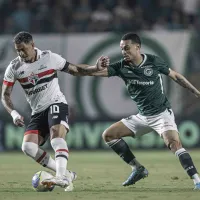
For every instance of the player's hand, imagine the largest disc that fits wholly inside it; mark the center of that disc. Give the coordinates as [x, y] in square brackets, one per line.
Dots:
[18, 120]
[102, 63]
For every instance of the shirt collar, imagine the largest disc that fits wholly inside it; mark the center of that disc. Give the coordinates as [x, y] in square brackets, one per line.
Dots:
[144, 60]
[39, 53]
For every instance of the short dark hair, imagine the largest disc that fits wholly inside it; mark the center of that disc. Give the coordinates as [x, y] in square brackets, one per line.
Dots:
[133, 37]
[22, 37]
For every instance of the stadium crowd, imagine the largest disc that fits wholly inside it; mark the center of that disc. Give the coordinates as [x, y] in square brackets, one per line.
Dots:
[63, 16]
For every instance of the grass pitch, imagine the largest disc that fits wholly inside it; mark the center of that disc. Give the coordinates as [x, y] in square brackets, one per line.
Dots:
[100, 175]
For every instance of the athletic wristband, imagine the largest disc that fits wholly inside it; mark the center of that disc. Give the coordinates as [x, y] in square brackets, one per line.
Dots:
[15, 114]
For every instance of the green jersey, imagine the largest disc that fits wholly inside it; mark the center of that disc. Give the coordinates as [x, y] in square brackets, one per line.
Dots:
[144, 83]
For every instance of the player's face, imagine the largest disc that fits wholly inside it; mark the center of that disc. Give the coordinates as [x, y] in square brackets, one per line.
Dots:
[129, 49]
[25, 51]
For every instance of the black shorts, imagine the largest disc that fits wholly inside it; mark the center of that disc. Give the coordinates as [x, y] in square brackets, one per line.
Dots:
[41, 123]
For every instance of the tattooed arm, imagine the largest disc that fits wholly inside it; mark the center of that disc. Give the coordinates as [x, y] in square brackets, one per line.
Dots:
[6, 98]
[7, 103]
[86, 70]
[181, 80]
[79, 70]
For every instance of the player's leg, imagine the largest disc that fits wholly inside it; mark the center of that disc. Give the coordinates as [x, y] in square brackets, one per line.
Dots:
[37, 132]
[58, 143]
[172, 140]
[113, 138]
[35, 136]
[131, 126]
[30, 146]
[58, 123]
[164, 124]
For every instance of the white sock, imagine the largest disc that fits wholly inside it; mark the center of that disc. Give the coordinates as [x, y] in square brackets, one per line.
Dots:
[43, 158]
[196, 178]
[61, 155]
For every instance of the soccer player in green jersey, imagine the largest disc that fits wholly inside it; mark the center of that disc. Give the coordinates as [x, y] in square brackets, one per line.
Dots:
[142, 76]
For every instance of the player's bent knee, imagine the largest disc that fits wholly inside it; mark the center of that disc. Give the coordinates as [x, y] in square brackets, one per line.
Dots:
[30, 149]
[174, 145]
[25, 147]
[104, 135]
[108, 135]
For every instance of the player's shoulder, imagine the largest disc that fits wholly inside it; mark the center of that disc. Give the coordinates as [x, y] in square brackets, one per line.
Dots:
[151, 58]
[118, 64]
[15, 63]
[50, 53]
[45, 53]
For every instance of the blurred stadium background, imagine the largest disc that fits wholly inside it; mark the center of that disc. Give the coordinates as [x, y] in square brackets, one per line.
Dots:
[83, 30]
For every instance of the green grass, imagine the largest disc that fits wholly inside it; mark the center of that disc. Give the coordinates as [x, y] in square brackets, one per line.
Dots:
[100, 175]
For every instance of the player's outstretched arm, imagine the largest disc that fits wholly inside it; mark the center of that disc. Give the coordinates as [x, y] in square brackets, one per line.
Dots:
[7, 103]
[181, 80]
[102, 73]
[87, 70]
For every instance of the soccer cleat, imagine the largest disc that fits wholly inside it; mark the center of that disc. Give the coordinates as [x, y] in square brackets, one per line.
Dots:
[56, 181]
[71, 177]
[197, 186]
[136, 175]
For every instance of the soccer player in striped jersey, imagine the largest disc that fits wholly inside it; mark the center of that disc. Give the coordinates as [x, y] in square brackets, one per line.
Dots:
[36, 71]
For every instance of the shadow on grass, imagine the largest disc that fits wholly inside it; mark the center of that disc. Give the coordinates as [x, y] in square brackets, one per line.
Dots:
[107, 190]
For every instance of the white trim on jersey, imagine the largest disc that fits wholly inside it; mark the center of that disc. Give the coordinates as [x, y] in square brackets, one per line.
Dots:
[145, 58]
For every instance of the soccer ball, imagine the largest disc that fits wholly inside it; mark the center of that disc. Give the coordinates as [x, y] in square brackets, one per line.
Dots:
[38, 178]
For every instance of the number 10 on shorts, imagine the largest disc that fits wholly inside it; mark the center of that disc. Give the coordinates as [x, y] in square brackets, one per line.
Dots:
[54, 109]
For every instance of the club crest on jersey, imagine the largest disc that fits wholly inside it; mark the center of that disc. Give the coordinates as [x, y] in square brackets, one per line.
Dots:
[148, 71]
[33, 78]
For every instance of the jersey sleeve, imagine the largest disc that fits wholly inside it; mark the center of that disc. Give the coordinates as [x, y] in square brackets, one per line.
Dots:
[162, 65]
[9, 76]
[113, 69]
[58, 61]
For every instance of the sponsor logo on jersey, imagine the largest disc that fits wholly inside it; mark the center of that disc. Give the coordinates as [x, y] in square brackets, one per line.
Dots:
[137, 82]
[148, 71]
[39, 89]
[33, 78]
[42, 67]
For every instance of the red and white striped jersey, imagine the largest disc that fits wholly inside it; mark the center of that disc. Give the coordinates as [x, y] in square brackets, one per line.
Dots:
[38, 79]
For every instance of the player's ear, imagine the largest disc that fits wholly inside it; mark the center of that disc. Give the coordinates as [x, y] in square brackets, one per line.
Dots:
[33, 44]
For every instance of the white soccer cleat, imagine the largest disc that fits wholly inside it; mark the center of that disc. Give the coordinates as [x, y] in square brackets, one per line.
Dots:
[56, 181]
[71, 176]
